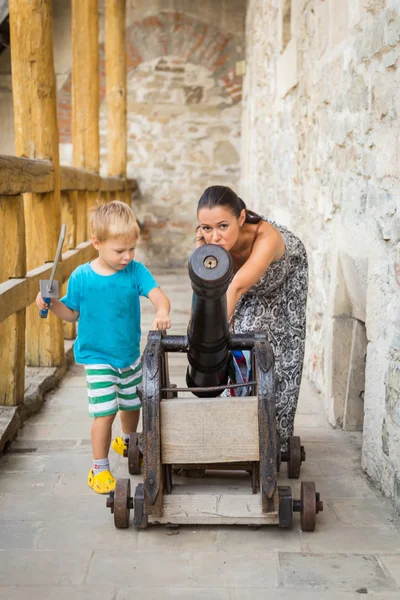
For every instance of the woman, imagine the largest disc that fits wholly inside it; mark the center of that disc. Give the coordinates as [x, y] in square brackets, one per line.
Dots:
[268, 291]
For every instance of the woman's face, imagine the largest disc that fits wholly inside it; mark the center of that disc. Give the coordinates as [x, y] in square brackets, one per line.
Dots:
[219, 226]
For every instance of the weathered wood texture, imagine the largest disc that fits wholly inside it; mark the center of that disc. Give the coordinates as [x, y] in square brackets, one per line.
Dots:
[12, 331]
[16, 294]
[209, 430]
[115, 46]
[19, 175]
[36, 136]
[197, 506]
[85, 85]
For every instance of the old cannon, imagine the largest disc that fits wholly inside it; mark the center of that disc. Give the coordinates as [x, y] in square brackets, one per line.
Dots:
[209, 432]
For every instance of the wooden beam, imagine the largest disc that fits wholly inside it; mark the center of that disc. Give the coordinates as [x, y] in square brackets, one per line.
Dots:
[19, 175]
[85, 85]
[115, 47]
[209, 430]
[12, 330]
[113, 184]
[36, 136]
[16, 294]
[193, 505]
[73, 178]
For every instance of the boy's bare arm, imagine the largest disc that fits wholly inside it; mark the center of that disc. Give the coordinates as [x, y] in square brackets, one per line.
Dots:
[58, 309]
[162, 305]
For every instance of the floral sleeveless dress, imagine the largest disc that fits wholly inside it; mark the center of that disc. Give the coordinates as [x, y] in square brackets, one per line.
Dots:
[276, 304]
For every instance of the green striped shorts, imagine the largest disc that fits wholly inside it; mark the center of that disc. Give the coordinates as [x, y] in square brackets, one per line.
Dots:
[111, 389]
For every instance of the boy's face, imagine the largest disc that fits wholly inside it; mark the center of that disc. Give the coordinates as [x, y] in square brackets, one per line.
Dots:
[118, 252]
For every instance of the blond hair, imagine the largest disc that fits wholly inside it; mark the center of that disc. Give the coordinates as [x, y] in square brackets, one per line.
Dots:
[113, 220]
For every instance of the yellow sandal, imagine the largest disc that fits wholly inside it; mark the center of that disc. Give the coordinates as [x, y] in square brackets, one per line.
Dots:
[102, 483]
[119, 445]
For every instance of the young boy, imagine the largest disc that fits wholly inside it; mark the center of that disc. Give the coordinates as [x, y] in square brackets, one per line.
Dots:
[104, 295]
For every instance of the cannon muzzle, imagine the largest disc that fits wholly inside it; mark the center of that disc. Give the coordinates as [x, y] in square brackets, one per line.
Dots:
[210, 272]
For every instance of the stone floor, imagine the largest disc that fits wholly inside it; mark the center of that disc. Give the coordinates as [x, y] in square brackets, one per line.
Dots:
[58, 540]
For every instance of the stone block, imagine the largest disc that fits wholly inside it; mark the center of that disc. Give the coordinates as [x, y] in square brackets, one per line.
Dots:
[238, 570]
[392, 564]
[338, 21]
[353, 416]
[286, 69]
[356, 572]
[19, 592]
[35, 567]
[19, 535]
[172, 569]
[393, 390]
[163, 593]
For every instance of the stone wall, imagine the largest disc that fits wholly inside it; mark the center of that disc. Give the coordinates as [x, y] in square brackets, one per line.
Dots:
[320, 153]
[184, 114]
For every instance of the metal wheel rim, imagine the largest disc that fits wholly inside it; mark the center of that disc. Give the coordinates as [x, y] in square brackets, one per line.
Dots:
[294, 462]
[133, 455]
[121, 498]
[308, 514]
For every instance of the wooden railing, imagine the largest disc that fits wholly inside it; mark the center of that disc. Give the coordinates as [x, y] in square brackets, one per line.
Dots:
[80, 190]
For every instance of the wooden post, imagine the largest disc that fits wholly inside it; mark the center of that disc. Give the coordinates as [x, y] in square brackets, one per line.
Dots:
[85, 85]
[12, 330]
[69, 205]
[36, 136]
[115, 47]
[85, 99]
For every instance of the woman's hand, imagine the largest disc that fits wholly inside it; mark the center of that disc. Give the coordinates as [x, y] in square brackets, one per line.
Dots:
[200, 241]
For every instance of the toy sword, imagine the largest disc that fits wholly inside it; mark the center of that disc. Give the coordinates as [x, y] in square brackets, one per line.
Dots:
[49, 287]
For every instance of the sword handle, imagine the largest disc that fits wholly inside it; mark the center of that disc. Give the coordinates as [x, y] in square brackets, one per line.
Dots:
[43, 313]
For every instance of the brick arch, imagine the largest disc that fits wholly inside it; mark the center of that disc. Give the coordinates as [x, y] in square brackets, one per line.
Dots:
[167, 34]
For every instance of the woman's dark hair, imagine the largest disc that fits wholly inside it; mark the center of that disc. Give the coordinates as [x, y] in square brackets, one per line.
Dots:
[220, 195]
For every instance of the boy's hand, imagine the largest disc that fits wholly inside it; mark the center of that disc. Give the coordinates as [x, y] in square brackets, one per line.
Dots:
[161, 321]
[41, 303]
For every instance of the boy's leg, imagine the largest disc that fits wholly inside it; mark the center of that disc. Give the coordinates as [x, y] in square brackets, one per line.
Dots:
[103, 406]
[128, 403]
[129, 420]
[101, 436]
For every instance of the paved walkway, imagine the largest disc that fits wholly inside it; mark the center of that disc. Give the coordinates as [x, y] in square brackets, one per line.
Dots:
[58, 540]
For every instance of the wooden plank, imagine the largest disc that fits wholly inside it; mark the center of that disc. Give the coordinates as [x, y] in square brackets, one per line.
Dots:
[36, 136]
[16, 294]
[92, 201]
[115, 47]
[19, 175]
[113, 184]
[209, 430]
[214, 508]
[69, 210]
[85, 85]
[12, 330]
[69, 206]
[81, 217]
[73, 178]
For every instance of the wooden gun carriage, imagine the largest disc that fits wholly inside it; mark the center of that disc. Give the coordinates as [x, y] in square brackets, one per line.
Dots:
[208, 432]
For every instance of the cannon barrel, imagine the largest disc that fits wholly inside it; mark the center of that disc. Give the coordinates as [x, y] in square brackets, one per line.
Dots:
[210, 272]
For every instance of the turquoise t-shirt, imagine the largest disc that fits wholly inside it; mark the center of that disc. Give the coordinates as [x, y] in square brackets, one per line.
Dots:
[109, 319]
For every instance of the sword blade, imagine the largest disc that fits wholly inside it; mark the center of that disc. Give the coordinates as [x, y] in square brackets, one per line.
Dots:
[57, 257]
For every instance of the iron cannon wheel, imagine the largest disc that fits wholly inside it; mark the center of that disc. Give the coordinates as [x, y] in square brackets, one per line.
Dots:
[308, 511]
[134, 457]
[122, 503]
[294, 457]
